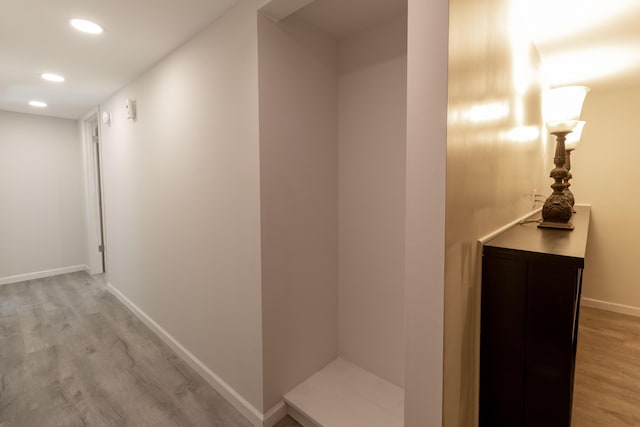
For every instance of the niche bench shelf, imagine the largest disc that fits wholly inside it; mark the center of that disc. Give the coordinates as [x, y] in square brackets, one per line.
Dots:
[345, 395]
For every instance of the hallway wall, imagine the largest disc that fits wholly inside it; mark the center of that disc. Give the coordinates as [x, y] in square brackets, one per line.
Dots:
[41, 196]
[182, 198]
[496, 156]
[605, 174]
[183, 229]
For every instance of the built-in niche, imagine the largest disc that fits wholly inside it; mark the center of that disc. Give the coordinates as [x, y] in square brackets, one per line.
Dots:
[333, 153]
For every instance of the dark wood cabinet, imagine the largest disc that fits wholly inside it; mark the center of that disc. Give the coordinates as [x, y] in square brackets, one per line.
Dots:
[531, 286]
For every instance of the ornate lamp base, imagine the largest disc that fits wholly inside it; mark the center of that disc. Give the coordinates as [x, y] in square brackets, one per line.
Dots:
[556, 213]
[557, 210]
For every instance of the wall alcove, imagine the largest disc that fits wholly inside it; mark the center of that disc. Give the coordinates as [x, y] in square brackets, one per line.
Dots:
[333, 132]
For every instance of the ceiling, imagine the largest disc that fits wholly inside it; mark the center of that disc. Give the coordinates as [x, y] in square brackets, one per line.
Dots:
[35, 37]
[341, 18]
[589, 42]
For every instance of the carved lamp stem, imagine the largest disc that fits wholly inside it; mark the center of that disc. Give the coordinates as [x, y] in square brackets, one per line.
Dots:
[557, 211]
[567, 191]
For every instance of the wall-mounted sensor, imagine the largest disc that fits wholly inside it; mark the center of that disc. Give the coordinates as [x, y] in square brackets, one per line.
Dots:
[131, 109]
[106, 118]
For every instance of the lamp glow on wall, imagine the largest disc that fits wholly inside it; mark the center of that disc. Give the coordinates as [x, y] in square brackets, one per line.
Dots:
[561, 109]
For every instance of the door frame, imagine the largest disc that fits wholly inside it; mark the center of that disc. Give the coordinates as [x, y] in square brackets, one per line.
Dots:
[94, 200]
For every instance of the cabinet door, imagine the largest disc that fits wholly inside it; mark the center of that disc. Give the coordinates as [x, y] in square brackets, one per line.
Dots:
[502, 348]
[549, 343]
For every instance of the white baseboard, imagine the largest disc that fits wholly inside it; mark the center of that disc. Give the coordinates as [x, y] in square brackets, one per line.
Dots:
[256, 418]
[40, 274]
[610, 306]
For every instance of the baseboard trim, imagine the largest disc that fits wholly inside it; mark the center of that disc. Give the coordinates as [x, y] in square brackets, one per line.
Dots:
[611, 306]
[41, 274]
[229, 393]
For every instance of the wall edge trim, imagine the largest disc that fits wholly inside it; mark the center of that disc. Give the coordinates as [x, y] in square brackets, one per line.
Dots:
[277, 10]
[491, 235]
[610, 306]
[300, 416]
[254, 416]
[41, 274]
[275, 414]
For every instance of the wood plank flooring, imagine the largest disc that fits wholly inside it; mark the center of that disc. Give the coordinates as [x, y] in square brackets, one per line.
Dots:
[72, 355]
[607, 380]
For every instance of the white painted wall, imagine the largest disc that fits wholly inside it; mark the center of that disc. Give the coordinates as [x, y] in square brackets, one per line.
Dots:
[182, 191]
[605, 174]
[299, 189]
[372, 139]
[41, 195]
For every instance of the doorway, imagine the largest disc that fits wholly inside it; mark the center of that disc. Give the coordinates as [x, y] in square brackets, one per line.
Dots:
[94, 195]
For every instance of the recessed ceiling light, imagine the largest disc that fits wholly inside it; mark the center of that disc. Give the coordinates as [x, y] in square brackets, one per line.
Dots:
[86, 26]
[38, 104]
[52, 77]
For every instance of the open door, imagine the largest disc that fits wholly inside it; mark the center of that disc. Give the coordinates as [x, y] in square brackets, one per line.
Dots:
[94, 200]
[96, 144]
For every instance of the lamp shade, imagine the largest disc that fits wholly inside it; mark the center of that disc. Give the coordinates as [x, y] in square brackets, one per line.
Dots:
[573, 139]
[561, 107]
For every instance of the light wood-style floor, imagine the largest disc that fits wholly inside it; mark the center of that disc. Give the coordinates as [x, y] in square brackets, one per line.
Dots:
[72, 355]
[607, 379]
